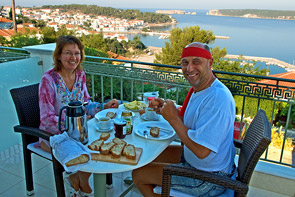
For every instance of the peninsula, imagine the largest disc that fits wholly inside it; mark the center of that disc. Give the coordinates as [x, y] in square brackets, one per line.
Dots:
[254, 13]
[174, 12]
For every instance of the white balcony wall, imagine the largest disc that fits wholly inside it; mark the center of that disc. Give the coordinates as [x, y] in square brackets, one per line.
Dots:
[17, 74]
[14, 74]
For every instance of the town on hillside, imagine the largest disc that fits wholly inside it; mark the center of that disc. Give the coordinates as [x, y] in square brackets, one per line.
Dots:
[79, 22]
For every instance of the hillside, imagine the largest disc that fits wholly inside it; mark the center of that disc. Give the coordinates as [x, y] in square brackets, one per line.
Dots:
[253, 13]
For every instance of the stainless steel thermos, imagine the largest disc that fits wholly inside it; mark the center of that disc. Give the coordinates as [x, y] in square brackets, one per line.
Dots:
[76, 121]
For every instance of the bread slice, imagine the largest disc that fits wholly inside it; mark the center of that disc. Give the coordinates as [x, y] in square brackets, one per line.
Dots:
[105, 148]
[155, 131]
[129, 152]
[104, 136]
[96, 144]
[117, 150]
[119, 141]
[78, 160]
[111, 115]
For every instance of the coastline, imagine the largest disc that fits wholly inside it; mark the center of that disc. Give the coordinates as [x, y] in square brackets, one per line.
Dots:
[150, 57]
[161, 24]
[250, 14]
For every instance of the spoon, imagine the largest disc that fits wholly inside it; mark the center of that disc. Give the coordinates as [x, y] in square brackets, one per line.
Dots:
[145, 133]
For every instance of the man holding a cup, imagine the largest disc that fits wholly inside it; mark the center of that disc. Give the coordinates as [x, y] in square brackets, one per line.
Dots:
[206, 129]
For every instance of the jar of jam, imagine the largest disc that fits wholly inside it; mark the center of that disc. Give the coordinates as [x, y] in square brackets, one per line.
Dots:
[127, 116]
[150, 100]
[120, 128]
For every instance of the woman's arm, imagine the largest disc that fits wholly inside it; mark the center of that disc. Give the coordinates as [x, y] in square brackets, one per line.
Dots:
[48, 117]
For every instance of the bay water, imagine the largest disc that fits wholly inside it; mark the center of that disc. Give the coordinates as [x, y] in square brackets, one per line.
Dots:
[247, 36]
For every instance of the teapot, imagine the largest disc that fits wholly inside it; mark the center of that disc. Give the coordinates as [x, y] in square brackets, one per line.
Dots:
[76, 121]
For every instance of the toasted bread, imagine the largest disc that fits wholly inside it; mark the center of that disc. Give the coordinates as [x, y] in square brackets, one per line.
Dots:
[155, 131]
[117, 150]
[105, 148]
[78, 160]
[104, 136]
[111, 115]
[96, 144]
[119, 141]
[129, 151]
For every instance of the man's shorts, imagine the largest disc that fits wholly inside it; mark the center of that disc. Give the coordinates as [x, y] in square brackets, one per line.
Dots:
[196, 187]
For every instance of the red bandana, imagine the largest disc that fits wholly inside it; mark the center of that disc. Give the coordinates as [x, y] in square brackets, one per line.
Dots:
[195, 51]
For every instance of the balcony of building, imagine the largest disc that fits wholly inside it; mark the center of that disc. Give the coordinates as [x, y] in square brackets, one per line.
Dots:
[128, 80]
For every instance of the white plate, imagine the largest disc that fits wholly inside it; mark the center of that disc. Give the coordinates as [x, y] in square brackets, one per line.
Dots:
[104, 130]
[163, 135]
[104, 112]
[143, 116]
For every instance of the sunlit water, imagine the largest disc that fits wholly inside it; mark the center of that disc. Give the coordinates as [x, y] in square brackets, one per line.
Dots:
[248, 36]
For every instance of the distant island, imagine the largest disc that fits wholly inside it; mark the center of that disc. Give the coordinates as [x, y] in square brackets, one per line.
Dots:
[174, 12]
[254, 13]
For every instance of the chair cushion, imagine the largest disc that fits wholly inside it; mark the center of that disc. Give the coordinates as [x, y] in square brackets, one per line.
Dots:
[39, 151]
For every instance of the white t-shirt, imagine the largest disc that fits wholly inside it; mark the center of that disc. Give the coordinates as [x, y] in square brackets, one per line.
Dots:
[210, 116]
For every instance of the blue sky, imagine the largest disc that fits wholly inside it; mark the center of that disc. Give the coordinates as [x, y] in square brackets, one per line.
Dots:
[167, 4]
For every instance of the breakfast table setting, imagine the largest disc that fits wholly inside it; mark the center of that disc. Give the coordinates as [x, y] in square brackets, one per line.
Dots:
[139, 128]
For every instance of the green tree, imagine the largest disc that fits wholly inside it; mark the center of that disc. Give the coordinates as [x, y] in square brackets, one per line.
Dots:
[95, 41]
[40, 23]
[136, 43]
[94, 52]
[171, 53]
[3, 41]
[19, 41]
[49, 35]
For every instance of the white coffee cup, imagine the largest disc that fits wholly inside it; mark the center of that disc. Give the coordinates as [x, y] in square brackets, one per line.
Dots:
[105, 123]
[150, 114]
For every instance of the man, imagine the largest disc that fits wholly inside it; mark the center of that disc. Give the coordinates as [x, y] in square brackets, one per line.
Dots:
[206, 129]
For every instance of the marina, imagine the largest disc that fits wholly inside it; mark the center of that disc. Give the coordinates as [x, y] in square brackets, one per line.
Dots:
[267, 60]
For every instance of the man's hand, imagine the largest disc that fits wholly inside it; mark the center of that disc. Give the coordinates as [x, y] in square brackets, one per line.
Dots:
[157, 104]
[112, 104]
[169, 111]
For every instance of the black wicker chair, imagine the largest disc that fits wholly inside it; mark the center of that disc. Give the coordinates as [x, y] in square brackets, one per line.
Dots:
[257, 139]
[27, 107]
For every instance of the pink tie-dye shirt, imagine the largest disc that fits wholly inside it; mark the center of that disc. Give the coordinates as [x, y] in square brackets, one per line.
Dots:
[54, 94]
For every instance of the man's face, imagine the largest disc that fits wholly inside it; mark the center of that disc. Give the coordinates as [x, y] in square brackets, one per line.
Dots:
[197, 70]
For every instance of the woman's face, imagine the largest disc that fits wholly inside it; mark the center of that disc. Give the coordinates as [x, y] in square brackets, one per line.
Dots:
[70, 57]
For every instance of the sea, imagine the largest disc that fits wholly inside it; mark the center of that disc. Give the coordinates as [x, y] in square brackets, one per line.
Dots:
[247, 36]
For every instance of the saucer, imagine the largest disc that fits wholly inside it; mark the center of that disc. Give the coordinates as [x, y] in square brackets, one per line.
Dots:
[104, 130]
[143, 116]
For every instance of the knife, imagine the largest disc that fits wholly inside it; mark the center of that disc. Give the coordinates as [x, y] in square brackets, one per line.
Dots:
[160, 128]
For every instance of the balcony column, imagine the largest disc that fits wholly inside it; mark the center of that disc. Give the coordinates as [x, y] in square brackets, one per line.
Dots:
[44, 52]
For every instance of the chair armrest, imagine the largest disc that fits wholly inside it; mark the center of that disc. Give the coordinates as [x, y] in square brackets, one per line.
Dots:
[238, 143]
[32, 131]
[226, 182]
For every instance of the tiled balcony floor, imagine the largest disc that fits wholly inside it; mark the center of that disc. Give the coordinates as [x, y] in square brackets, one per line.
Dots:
[12, 178]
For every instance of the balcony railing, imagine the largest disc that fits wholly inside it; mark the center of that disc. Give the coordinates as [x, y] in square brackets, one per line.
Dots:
[11, 54]
[128, 80]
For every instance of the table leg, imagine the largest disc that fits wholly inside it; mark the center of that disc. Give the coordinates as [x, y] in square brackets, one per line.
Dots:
[99, 184]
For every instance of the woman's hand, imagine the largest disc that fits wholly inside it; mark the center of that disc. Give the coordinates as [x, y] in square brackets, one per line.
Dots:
[112, 104]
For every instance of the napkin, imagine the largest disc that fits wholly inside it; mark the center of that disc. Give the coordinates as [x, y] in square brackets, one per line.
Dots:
[66, 149]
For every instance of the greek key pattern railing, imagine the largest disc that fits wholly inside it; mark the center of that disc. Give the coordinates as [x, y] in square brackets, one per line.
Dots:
[260, 90]
[121, 71]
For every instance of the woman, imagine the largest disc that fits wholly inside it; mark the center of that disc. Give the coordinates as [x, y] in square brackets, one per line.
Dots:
[64, 83]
